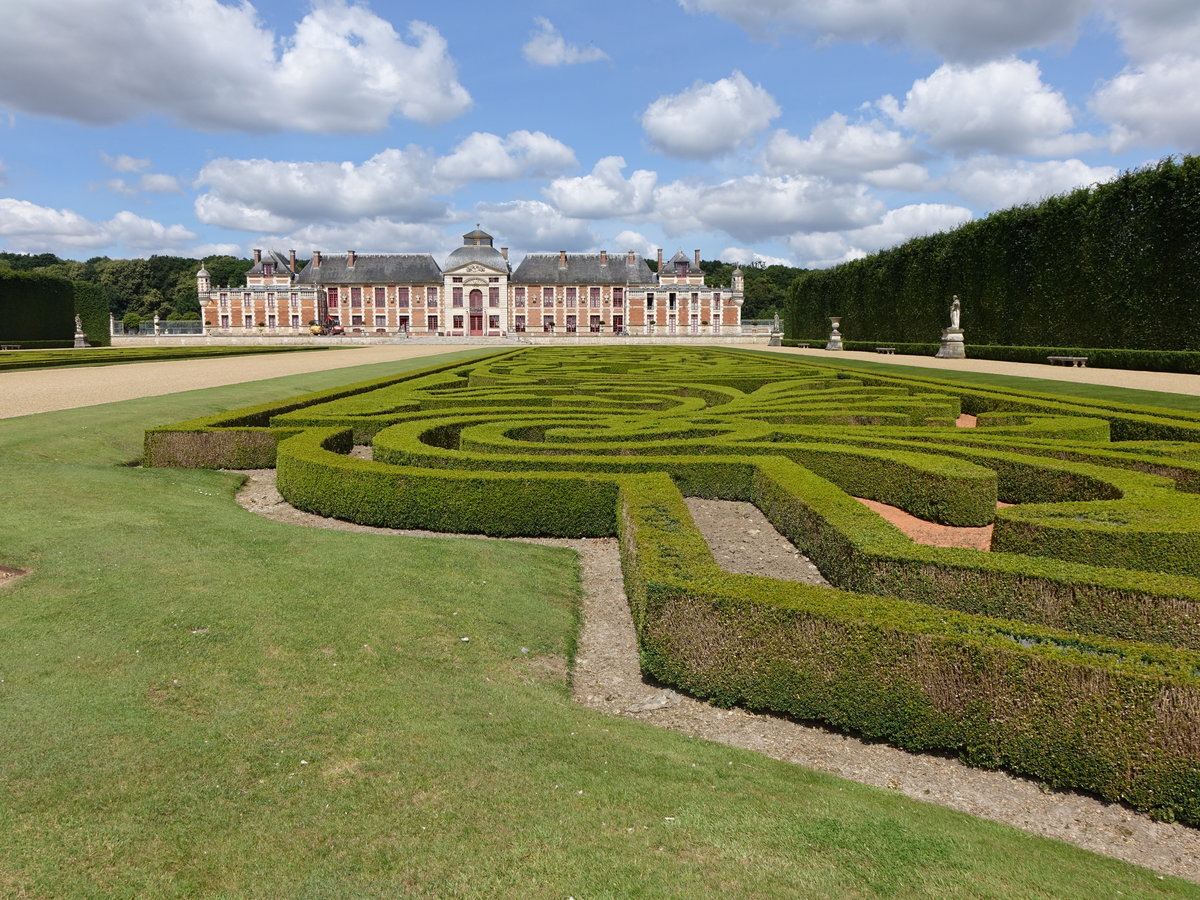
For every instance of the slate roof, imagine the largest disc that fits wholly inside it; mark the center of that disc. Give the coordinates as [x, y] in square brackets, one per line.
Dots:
[582, 268]
[280, 259]
[681, 257]
[480, 253]
[373, 268]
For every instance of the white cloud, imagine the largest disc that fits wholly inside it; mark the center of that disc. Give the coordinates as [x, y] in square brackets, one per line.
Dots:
[266, 195]
[709, 119]
[904, 177]
[523, 154]
[839, 149]
[604, 193]
[546, 47]
[373, 235]
[822, 250]
[217, 66]
[535, 225]
[1153, 105]
[751, 257]
[1001, 107]
[1153, 29]
[125, 163]
[967, 30]
[760, 206]
[635, 241]
[896, 226]
[907, 222]
[155, 183]
[151, 183]
[200, 251]
[993, 183]
[25, 226]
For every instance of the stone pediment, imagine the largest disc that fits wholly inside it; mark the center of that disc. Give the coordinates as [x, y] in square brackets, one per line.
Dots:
[475, 268]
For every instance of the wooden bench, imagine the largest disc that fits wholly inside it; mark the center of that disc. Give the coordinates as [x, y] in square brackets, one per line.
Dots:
[889, 350]
[1077, 361]
[10, 346]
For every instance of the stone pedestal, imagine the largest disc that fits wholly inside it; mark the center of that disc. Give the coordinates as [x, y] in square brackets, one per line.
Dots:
[776, 339]
[835, 336]
[952, 345]
[80, 337]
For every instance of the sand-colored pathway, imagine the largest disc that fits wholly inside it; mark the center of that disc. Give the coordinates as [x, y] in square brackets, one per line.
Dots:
[1126, 378]
[43, 390]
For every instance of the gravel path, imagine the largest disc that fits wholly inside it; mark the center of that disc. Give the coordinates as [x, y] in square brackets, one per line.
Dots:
[1169, 382]
[43, 390]
[606, 677]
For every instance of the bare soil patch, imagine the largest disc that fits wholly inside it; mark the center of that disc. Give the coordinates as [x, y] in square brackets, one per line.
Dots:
[9, 575]
[606, 677]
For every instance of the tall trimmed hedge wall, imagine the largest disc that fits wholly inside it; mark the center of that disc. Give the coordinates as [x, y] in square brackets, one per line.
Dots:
[1113, 266]
[91, 305]
[36, 309]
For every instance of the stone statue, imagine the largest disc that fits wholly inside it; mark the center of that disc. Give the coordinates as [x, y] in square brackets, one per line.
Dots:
[953, 346]
[80, 337]
[78, 325]
[775, 325]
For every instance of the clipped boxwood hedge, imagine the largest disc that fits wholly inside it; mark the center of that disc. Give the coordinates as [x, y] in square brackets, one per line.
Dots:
[1054, 661]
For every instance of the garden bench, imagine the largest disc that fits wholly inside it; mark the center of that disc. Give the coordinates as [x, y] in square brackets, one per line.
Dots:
[10, 346]
[1077, 361]
[803, 344]
[888, 350]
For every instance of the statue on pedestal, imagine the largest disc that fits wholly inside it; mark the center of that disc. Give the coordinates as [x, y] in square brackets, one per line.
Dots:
[952, 337]
[80, 337]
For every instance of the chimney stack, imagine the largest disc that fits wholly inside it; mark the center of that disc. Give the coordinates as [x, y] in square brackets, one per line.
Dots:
[604, 257]
[630, 257]
[317, 258]
[350, 255]
[504, 252]
[562, 259]
[697, 259]
[292, 256]
[257, 257]
[660, 268]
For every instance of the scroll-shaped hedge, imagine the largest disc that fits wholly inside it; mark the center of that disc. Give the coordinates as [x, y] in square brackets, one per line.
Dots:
[1051, 661]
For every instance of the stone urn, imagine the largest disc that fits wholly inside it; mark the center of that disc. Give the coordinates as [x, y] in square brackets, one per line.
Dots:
[835, 336]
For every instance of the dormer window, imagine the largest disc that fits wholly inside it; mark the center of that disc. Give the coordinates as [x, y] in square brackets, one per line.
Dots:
[681, 268]
[268, 269]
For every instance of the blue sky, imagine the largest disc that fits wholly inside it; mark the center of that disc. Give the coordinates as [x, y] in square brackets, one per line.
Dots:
[801, 131]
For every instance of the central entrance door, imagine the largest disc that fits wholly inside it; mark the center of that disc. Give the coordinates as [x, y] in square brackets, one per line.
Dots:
[476, 301]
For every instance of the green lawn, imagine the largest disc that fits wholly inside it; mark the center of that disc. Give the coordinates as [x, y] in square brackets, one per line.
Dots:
[195, 701]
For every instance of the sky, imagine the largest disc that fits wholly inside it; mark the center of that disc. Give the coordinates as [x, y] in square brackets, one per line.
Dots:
[805, 132]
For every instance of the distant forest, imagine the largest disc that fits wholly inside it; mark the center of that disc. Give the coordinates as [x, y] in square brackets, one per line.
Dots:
[162, 285]
[166, 285]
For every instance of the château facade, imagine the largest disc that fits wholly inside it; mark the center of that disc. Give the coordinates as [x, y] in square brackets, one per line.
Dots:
[477, 293]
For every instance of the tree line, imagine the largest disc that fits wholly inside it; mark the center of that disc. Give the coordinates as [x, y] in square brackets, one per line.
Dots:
[166, 285]
[161, 285]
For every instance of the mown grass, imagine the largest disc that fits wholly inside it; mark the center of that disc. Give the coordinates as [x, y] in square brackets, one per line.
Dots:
[195, 701]
[104, 356]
